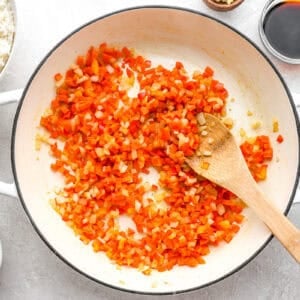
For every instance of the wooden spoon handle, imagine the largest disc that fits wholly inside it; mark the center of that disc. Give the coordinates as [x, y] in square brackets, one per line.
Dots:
[279, 224]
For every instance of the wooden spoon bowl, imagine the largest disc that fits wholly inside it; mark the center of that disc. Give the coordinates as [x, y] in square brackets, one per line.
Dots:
[220, 6]
[220, 161]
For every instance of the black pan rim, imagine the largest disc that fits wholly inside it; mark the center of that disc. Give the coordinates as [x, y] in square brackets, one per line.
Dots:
[15, 123]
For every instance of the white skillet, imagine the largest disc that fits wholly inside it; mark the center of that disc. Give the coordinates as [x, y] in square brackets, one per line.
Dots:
[163, 34]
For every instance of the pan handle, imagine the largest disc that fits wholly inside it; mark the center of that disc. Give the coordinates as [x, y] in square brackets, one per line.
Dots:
[9, 189]
[296, 98]
[11, 96]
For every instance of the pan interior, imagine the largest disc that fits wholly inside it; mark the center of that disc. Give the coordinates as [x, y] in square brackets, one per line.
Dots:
[164, 35]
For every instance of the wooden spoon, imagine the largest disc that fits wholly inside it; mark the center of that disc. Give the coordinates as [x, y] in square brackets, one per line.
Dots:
[221, 161]
[221, 6]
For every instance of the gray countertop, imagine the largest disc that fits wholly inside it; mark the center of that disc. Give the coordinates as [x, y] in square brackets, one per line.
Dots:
[30, 270]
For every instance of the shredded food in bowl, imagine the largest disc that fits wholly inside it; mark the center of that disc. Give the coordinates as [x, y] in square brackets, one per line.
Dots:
[119, 118]
[7, 29]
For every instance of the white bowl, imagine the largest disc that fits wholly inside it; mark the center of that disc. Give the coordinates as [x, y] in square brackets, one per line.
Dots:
[12, 47]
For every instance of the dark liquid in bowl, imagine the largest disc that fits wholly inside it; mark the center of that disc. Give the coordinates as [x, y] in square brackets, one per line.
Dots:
[282, 28]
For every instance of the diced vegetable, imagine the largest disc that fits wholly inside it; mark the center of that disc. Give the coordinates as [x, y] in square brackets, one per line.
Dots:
[110, 138]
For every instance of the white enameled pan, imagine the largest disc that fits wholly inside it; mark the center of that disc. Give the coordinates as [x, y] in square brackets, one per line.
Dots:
[165, 35]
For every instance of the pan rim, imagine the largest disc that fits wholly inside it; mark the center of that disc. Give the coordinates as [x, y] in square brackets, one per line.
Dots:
[15, 123]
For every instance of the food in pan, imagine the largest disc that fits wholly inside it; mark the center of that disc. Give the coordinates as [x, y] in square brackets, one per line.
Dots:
[119, 129]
